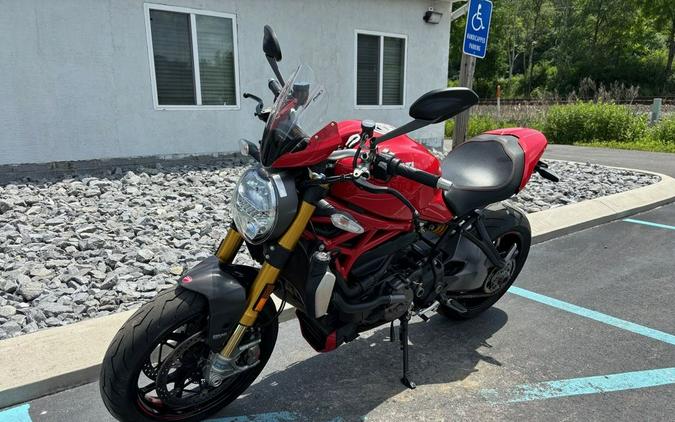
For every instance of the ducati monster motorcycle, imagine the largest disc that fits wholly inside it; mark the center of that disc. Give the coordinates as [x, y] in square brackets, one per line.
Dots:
[355, 224]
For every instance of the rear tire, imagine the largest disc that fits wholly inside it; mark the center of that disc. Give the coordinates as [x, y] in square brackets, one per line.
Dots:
[503, 223]
[133, 345]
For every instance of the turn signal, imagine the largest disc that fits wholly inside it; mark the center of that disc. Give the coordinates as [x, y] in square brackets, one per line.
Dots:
[346, 222]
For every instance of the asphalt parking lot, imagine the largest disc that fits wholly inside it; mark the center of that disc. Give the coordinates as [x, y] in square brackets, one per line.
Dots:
[587, 334]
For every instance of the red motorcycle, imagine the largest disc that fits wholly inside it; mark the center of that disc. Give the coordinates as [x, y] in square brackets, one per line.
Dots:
[356, 225]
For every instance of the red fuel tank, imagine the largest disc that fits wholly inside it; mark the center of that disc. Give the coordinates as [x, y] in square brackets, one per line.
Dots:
[428, 201]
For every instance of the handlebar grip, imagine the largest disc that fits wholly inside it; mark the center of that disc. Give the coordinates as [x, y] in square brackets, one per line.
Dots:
[275, 87]
[417, 175]
[394, 166]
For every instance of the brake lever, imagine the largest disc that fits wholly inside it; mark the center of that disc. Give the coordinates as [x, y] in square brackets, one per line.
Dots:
[260, 112]
[253, 97]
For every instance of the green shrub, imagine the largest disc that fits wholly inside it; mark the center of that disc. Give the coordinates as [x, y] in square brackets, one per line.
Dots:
[478, 124]
[663, 131]
[567, 124]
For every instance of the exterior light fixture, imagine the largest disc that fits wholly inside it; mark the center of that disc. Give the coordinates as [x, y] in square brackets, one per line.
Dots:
[431, 16]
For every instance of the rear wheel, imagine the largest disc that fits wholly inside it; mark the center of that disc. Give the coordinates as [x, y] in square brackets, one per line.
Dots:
[154, 369]
[508, 228]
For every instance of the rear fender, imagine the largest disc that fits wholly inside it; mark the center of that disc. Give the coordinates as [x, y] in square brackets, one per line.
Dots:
[224, 286]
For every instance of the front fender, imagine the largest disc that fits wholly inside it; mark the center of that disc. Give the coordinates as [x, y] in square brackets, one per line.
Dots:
[225, 287]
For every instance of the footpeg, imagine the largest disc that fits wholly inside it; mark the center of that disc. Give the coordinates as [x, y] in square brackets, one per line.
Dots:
[456, 306]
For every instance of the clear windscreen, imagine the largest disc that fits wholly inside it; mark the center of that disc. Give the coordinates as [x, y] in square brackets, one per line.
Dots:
[297, 114]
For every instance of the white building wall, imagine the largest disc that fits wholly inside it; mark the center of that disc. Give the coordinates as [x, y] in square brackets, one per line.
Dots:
[75, 74]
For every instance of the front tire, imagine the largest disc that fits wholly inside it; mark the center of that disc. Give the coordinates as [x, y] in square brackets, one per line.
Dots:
[506, 227]
[174, 317]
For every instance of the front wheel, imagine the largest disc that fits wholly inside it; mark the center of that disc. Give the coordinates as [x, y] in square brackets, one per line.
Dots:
[154, 369]
[508, 228]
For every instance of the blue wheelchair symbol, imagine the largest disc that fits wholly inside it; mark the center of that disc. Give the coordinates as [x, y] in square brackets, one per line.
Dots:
[477, 18]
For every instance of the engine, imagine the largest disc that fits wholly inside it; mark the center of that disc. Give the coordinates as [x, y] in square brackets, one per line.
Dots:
[410, 276]
[383, 285]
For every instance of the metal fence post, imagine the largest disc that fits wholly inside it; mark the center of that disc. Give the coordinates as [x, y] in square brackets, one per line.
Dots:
[655, 115]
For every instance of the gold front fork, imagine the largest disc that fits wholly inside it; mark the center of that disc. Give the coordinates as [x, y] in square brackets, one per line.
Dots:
[229, 246]
[263, 285]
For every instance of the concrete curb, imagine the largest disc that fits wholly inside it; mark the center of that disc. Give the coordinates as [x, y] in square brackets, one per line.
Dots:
[45, 362]
[556, 222]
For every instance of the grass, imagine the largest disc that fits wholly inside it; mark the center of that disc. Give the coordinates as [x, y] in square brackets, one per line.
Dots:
[642, 145]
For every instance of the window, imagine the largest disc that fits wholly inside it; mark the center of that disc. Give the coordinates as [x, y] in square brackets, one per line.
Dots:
[380, 69]
[193, 56]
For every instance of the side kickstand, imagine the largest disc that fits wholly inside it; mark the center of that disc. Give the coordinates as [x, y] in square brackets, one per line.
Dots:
[403, 334]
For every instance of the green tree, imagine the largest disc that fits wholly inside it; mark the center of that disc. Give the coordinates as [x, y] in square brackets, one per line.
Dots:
[663, 13]
[550, 46]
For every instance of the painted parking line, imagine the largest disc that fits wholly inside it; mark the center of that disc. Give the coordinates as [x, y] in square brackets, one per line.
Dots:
[582, 386]
[649, 223]
[261, 417]
[268, 417]
[20, 414]
[16, 414]
[595, 315]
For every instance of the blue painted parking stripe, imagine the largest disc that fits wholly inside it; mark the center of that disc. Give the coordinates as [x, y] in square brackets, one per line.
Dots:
[266, 417]
[261, 417]
[597, 316]
[16, 414]
[581, 386]
[649, 223]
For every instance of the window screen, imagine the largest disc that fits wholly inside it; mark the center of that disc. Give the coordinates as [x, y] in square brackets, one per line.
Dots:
[380, 70]
[172, 49]
[392, 71]
[216, 60]
[368, 70]
[210, 80]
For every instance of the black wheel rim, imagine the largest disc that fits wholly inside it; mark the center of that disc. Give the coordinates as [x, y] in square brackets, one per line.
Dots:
[148, 398]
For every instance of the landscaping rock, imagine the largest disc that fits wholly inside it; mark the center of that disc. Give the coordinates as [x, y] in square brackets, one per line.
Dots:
[146, 285]
[11, 328]
[176, 270]
[30, 290]
[7, 311]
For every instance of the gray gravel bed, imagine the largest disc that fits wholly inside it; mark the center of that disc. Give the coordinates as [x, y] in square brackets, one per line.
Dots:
[89, 246]
[578, 182]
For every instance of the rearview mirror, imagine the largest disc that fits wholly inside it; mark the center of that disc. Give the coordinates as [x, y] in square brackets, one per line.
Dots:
[271, 44]
[441, 104]
[433, 107]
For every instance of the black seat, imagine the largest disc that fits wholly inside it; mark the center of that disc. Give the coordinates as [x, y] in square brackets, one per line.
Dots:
[483, 170]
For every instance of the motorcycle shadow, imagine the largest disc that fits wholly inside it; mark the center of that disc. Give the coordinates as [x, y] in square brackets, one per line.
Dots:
[359, 376]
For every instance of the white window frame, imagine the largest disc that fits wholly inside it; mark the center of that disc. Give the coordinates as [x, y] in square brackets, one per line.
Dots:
[195, 57]
[381, 70]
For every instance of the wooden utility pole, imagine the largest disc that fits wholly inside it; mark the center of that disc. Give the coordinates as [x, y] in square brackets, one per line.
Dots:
[467, 67]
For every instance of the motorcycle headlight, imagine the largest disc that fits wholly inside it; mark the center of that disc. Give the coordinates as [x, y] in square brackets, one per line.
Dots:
[263, 205]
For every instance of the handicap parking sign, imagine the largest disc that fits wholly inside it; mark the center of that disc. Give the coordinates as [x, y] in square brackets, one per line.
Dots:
[477, 28]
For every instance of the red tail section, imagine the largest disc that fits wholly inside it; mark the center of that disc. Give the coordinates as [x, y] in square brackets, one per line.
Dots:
[533, 144]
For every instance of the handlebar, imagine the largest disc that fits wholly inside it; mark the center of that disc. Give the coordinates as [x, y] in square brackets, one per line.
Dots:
[396, 167]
